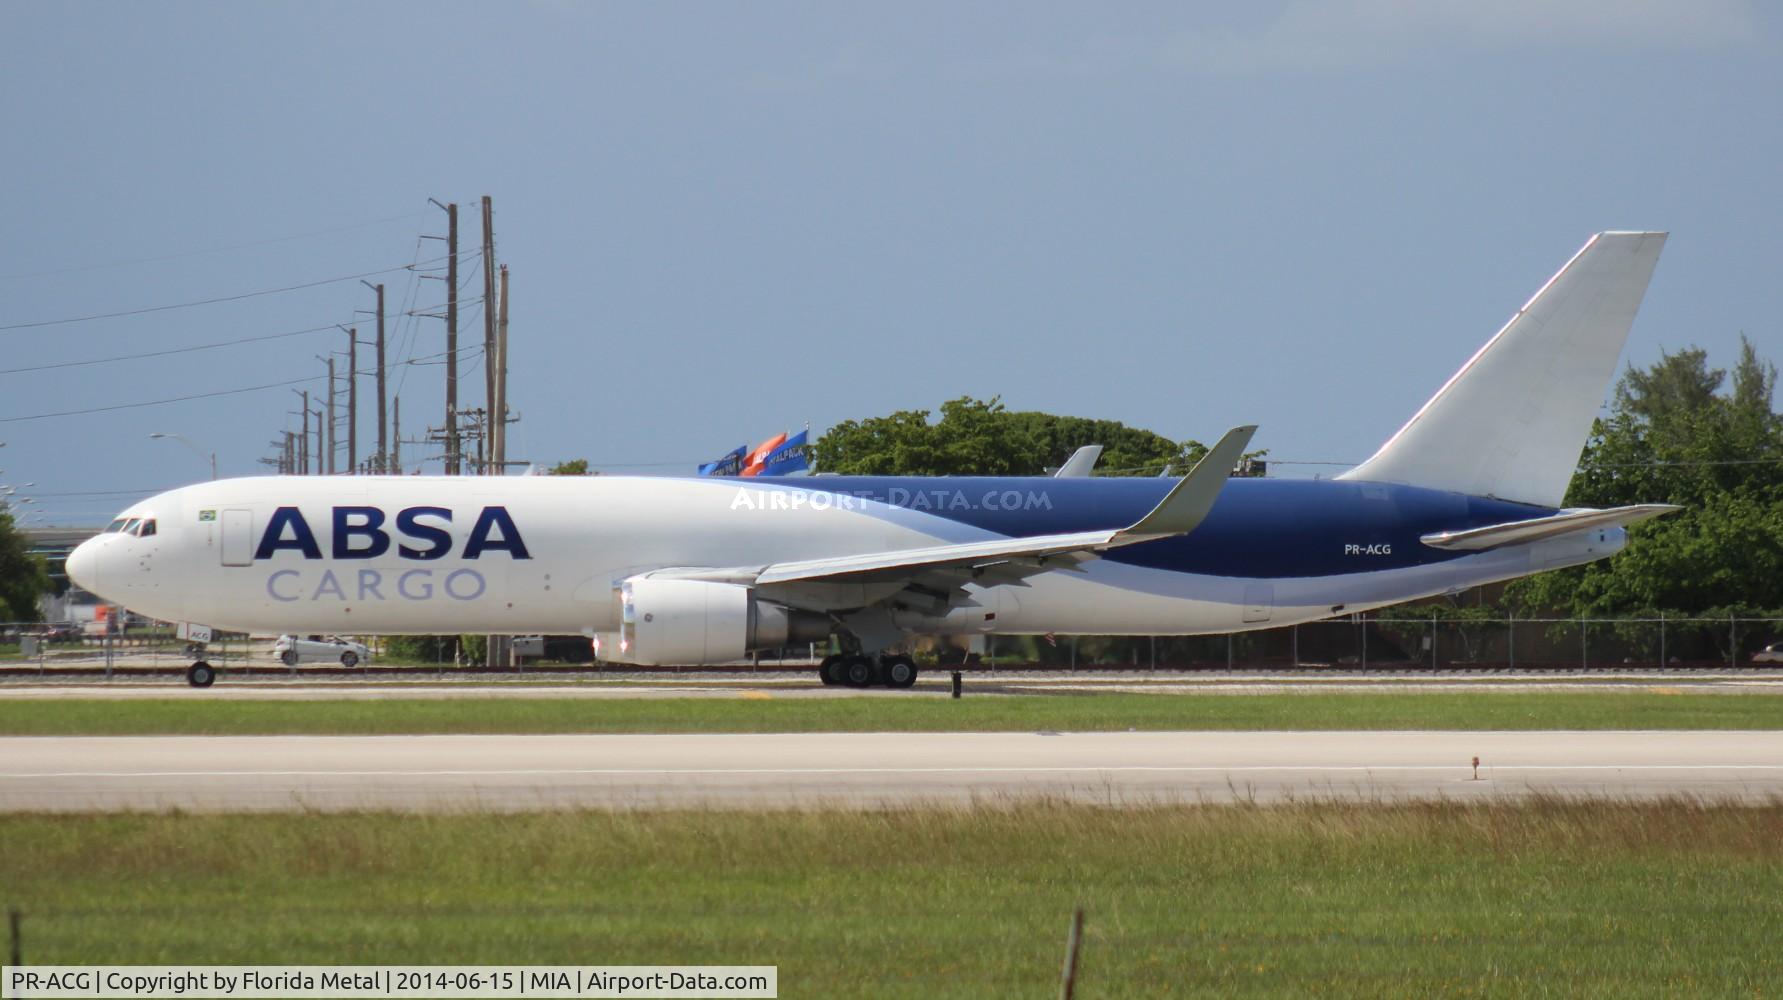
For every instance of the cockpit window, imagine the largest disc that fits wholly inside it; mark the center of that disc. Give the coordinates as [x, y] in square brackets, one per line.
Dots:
[146, 529]
[130, 525]
[114, 527]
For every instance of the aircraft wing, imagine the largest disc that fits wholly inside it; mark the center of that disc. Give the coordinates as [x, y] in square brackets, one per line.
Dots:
[1181, 510]
[1518, 532]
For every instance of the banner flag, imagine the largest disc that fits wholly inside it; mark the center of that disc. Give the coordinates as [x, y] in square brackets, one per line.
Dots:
[729, 465]
[758, 456]
[789, 457]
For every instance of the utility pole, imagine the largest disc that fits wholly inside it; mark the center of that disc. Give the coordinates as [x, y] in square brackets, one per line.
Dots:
[396, 437]
[480, 420]
[489, 304]
[289, 464]
[353, 401]
[303, 439]
[383, 455]
[330, 424]
[316, 469]
[453, 452]
[501, 381]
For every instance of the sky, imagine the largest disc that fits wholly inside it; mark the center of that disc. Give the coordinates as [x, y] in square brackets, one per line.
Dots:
[727, 220]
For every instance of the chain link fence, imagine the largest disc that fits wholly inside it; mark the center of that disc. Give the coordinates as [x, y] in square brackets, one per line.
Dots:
[1360, 642]
[1366, 642]
[105, 649]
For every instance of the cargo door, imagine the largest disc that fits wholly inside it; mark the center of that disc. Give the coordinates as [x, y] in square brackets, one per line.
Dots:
[1259, 601]
[238, 537]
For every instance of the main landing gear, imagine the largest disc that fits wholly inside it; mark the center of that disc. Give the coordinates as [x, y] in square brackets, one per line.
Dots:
[859, 670]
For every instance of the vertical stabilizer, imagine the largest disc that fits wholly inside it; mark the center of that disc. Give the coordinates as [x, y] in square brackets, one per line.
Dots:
[1081, 463]
[1512, 422]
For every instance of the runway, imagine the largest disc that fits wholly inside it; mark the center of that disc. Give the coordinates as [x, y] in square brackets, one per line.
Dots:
[515, 773]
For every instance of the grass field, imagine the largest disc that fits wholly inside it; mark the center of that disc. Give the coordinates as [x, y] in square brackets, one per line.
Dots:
[1543, 897]
[1078, 712]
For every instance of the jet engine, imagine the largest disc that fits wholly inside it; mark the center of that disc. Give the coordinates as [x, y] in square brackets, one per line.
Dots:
[668, 621]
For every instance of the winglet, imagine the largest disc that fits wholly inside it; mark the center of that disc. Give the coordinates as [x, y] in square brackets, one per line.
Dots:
[1188, 502]
[1080, 463]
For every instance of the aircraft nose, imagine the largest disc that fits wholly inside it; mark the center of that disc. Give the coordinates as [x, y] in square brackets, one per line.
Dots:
[83, 565]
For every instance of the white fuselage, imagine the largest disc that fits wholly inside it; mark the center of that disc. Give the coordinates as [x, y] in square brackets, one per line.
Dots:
[517, 555]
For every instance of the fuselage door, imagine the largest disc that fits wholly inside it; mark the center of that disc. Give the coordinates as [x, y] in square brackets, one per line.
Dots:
[1259, 601]
[238, 537]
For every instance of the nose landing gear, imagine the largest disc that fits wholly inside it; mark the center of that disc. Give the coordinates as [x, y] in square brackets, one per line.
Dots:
[201, 675]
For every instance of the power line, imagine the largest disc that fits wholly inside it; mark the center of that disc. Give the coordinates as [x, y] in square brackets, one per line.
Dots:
[406, 338]
[160, 402]
[211, 250]
[109, 359]
[204, 302]
[171, 350]
[106, 493]
[1704, 462]
[1684, 463]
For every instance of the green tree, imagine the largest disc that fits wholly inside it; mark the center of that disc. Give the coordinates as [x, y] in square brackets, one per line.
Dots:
[976, 437]
[1673, 436]
[22, 576]
[573, 467]
[1125, 450]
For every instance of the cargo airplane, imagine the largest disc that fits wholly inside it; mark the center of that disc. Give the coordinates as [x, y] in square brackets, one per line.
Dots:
[703, 570]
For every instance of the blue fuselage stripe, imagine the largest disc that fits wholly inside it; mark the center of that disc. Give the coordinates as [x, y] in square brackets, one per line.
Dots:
[1264, 528]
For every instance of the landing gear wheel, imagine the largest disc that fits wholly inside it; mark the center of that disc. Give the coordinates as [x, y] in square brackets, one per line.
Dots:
[201, 675]
[349, 659]
[829, 671]
[857, 671]
[288, 657]
[899, 671]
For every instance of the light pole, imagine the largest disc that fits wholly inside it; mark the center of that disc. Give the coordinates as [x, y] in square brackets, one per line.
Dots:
[182, 439]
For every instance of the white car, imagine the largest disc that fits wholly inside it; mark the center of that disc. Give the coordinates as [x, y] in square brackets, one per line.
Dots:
[291, 650]
[1769, 654]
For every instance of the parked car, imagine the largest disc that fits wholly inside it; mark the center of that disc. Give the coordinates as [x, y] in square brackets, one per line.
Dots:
[292, 650]
[1769, 654]
[60, 632]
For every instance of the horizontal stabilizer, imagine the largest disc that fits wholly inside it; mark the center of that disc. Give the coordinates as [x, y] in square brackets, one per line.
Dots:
[1521, 532]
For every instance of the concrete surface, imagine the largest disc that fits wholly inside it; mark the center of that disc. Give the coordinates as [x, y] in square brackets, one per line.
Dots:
[288, 773]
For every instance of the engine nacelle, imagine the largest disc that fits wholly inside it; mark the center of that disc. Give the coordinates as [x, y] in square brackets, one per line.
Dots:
[665, 621]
